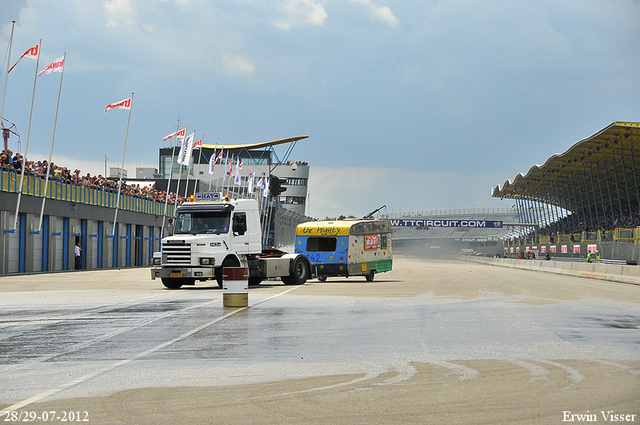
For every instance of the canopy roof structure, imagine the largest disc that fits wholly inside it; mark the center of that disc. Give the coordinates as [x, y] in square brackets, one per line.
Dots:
[596, 179]
[257, 145]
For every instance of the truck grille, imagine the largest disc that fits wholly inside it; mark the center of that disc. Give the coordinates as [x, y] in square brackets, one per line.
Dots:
[177, 254]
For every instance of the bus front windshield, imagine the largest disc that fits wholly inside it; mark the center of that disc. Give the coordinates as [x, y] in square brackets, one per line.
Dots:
[212, 222]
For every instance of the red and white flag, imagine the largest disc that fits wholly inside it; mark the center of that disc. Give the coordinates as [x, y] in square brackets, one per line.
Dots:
[197, 144]
[238, 180]
[123, 104]
[180, 133]
[32, 53]
[55, 66]
[213, 160]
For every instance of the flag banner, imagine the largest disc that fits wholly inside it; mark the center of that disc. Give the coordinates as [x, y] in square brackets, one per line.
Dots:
[250, 183]
[184, 157]
[180, 133]
[237, 180]
[265, 189]
[123, 104]
[231, 166]
[226, 162]
[198, 144]
[31, 53]
[55, 66]
[214, 159]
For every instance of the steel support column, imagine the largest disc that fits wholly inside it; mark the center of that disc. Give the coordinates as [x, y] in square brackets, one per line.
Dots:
[615, 174]
[604, 207]
[626, 186]
[574, 211]
[606, 174]
[635, 179]
[586, 189]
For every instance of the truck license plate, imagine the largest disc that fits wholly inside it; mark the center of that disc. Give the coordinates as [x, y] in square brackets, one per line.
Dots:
[175, 275]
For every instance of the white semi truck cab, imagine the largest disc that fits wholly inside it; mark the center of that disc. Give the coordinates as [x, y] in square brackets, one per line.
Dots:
[214, 232]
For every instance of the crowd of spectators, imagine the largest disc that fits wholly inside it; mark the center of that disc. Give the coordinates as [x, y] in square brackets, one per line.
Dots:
[13, 162]
[605, 221]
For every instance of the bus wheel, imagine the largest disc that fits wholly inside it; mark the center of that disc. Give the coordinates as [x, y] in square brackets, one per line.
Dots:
[370, 276]
[172, 283]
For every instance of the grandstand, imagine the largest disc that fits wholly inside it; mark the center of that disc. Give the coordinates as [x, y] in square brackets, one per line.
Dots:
[584, 199]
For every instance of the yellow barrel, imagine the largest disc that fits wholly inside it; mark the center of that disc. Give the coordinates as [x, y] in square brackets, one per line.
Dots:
[235, 287]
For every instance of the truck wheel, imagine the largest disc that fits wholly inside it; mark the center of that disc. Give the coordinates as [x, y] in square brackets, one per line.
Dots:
[172, 283]
[299, 272]
[255, 281]
[370, 276]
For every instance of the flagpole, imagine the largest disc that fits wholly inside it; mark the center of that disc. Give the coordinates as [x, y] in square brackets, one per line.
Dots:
[124, 152]
[186, 186]
[199, 158]
[26, 146]
[180, 173]
[213, 157]
[6, 78]
[166, 195]
[55, 121]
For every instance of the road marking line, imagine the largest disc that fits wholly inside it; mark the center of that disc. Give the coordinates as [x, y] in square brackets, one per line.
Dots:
[109, 368]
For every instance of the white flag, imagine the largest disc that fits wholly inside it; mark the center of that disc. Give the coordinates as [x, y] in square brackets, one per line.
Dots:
[250, 184]
[184, 156]
[238, 170]
[123, 104]
[265, 190]
[55, 66]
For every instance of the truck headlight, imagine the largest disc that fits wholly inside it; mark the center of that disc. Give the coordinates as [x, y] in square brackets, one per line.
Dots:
[157, 261]
[207, 261]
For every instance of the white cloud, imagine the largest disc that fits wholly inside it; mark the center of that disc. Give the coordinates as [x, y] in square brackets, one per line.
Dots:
[300, 12]
[118, 12]
[359, 190]
[381, 13]
[235, 65]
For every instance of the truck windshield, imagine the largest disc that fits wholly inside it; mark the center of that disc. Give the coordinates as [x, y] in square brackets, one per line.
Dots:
[215, 222]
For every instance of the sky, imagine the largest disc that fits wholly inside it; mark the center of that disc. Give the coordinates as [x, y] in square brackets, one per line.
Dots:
[415, 105]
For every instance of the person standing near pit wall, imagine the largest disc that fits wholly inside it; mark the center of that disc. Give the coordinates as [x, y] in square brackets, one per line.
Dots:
[78, 253]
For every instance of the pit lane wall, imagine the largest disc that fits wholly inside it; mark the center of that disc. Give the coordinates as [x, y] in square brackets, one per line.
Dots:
[597, 270]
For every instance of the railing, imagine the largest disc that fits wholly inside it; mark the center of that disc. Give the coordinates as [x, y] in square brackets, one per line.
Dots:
[79, 193]
[617, 235]
[454, 211]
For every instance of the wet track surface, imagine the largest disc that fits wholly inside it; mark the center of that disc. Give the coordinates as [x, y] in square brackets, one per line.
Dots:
[77, 343]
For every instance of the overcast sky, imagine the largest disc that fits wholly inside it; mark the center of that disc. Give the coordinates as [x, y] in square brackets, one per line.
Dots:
[406, 103]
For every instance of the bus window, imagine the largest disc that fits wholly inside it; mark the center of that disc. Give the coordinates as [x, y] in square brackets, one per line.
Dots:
[321, 244]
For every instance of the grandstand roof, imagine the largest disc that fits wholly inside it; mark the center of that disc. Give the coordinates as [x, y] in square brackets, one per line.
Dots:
[604, 167]
[256, 145]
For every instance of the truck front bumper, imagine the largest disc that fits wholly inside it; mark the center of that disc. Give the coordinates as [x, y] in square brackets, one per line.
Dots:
[183, 272]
